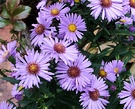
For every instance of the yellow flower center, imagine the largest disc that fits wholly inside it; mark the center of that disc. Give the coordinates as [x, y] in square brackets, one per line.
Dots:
[122, 20]
[102, 73]
[106, 3]
[132, 3]
[77, 1]
[73, 72]
[20, 88]
[72, 28]
[116, 70]
[5, 54]
[54, 12]
[94, 95]
[33, 68]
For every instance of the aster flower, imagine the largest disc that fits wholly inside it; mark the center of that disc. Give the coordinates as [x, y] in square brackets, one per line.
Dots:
[130, 4]
[108, 9]
[56, 10]
[41, 4]
[76, 75]
[31, 67]
[72, 25]
[59, 49]
[105, 74]
[131, 28]
[40, 31]
[127, 95]
[116, 67]
[125, 20]
[5, 105]
[92, 97]
[7, 51]
[17, 92]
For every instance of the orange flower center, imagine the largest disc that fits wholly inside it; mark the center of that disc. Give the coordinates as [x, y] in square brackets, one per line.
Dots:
[59, 48]
[132, 3]
[133, 93]
[102, 73]
[72, 28]
[73, 72]
[94, 95]
[33, 68]
[54, 12]
[116, 70]
[106, 3]
[122, 20]
[40, 29]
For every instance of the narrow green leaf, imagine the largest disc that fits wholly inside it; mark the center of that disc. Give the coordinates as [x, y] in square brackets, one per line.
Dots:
[21, 12]
[11, 80]
[4, 22]
[12, 5]
[5, 13]
[19, 26]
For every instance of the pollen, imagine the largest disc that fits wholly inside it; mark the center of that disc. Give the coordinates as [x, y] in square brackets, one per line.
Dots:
[54, 12]
[72, 28]
[40, 29]
[77, 1]
[73, 72]
[33, 68]
[132, 3]
[122, 20]
[59, 48]
[94, 95]
[102, 73]
[106, 3]
[20, 88]
[116, 70]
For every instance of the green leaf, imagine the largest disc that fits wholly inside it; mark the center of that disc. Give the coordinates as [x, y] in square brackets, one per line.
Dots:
[5, 12]
[4, 22]
[19, 26]
[11, 80]
[12, 4]
[21, 12]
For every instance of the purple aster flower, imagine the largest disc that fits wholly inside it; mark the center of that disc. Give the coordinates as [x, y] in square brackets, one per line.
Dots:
[130, 38]
[128, 94]
[72, 25]
[131, 28]
[106, 75]
[30, 67]
[56, 10]
[116, 67]
[94, 96]
[40, 31]
[60, 49]
[108, 9]
[7, 51]
[125, 20]
[113, 87]
[41, 4]
[76, 75]
[17, 92]
[5, 105]
[131, 5]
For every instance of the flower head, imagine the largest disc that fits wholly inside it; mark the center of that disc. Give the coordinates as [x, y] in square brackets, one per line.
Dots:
[72, 25]
[56, 10]
[59, 49]
[108, 9]
[7, 51]
[17, 92]
[31, 67]
[105, 74]
[125, 20]
[40, 31]
[75, 75]
[116, 67]
[128, 94]
[92, 98]
[5, 105]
